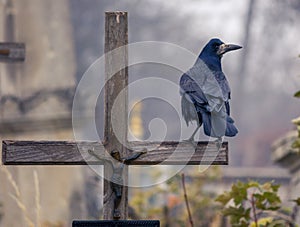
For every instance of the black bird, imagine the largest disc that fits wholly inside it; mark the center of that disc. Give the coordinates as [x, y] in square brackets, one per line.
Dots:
[205, 92]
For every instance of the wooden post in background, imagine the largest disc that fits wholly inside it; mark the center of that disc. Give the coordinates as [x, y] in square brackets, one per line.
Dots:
[116, 35]
[12, 52]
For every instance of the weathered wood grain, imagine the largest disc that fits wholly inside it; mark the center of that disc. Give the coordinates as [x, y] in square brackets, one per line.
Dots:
[116, 35]
[77, 153]
[180, 153]
[12, 52]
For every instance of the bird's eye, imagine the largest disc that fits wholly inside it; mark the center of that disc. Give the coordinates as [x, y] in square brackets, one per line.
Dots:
[216, 46]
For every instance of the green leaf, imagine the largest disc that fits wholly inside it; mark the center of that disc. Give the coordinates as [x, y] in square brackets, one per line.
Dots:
[239, 192]
[238, 215]
[271, 197]
[236, 211]
[253, 184]
[297, 201]
[260, 201]
[275, 187]
[296, 143]
[224, 198]
[296, 121]
[267, 186]
[297, 94]
[233, 211]
[267, 201]
[274, 208]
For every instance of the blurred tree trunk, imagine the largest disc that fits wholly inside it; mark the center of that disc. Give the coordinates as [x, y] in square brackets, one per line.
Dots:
[246, 39]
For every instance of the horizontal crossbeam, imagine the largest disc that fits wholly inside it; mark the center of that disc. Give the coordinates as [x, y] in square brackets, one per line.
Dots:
[77, 153]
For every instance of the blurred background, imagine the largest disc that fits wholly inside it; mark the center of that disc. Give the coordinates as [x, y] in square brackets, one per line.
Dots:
[64, 37]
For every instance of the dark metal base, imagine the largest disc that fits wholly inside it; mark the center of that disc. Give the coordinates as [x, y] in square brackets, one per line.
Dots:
[119, 223]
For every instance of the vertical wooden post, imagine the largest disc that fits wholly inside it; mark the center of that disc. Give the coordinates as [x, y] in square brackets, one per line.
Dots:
[116, 35]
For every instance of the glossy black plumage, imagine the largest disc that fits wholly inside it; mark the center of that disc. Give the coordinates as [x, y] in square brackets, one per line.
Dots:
[206, 93]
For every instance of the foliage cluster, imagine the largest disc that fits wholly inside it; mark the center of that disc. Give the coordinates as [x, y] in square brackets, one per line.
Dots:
[254, 204]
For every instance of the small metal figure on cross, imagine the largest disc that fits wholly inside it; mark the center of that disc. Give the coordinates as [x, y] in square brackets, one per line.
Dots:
[118, 163]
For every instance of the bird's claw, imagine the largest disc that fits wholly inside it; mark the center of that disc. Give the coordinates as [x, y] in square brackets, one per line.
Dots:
[191, 141]
[218, 143]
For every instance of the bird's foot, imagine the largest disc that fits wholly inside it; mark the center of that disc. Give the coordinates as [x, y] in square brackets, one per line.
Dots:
[218, 142]
[191, 141]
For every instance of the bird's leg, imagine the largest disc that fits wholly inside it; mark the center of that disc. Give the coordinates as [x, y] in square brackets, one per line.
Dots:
[219, 142]
[193, 135]
[191, 139]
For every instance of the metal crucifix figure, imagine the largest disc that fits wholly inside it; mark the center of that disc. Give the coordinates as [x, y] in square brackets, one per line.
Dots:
[118, 163]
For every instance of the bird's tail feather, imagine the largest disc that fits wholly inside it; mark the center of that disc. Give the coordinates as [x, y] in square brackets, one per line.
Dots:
[188, 110]
[217, 127]
[231, 130]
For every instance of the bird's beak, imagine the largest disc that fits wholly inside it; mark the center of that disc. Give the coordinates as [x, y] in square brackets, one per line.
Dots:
[224, 48]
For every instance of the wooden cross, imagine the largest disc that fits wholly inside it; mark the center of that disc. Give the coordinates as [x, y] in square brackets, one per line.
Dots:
[67, 153]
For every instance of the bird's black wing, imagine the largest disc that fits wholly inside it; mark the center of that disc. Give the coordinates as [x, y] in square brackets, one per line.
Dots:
[190, 89]
[193, 100]
[198, 102]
